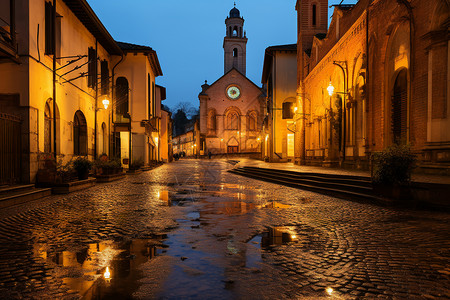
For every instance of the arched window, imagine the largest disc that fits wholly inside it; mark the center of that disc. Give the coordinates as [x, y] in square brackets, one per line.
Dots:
[122, 88]
[240, 31]
[235, 31]
[252, 121]
[235, 52]
[79, 134]
[399, 108]
[233, 121]
[230, 31]
[314, 14]
[212, 120]
[47, 128]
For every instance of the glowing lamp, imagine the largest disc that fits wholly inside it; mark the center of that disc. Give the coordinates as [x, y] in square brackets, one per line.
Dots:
[105, 103]
[330, 89]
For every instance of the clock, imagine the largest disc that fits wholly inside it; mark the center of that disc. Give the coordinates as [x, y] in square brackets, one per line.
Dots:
[233, 92]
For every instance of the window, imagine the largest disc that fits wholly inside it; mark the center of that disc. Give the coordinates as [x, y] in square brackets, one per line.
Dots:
[121, 100]
[212, 120]
[235, 52]
[288, 110]
[92, 67]
[314, 15]
[252, 121]
[233, 121]
[49, 34]
[154, 99]
[105, 77]
[48, 28]
[235, 31]
[149, 96]
[79, 134]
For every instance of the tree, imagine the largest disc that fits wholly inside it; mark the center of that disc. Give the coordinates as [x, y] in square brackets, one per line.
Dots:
[180, 121]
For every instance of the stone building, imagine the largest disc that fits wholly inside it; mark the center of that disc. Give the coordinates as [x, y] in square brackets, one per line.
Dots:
[377, 76]
[231, 108]
[279, 78]
[64, 38]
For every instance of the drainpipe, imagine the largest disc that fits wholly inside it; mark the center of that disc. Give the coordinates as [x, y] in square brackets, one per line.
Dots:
[96, 100]
[54, 74]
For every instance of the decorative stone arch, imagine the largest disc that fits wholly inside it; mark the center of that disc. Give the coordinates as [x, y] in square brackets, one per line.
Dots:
[49, 130]
[252, 120]
[397, 62]
[211, 121]
[232, 118]
[441, 15]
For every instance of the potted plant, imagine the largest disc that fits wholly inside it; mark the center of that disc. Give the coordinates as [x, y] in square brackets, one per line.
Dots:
[391, 173]
[82, 166]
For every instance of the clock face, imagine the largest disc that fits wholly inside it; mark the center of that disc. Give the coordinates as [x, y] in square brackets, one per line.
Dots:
[233, 92]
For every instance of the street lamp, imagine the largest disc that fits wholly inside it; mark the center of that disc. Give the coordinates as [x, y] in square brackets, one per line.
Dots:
[343, 66]
[105, 103]
[330, 89]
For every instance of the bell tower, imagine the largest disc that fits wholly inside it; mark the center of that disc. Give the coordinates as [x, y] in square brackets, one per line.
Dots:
[312, 18]
[235, 42]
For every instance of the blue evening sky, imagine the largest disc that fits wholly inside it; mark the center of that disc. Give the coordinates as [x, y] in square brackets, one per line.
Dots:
[188, 36]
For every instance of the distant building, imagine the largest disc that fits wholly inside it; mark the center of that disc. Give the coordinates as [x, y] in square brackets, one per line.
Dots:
[231, 108]
[280, 79]
[386, 66]
[188, 143]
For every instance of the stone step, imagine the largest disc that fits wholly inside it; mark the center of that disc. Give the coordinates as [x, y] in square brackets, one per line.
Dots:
[306, 178]
[336, 190]
[23, 196]
[15, 189]
[359, 180]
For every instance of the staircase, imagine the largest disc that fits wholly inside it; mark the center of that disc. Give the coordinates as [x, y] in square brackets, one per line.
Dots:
[342, 186]
[12, 195]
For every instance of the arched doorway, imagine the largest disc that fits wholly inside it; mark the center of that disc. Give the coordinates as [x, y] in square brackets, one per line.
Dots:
[399, 116]
[47, 128]
[79, 134]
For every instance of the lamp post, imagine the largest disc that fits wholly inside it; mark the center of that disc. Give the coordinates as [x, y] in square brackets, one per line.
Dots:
[331, 90]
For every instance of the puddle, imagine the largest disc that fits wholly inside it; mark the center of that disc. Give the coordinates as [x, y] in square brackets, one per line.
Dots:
[274, 236]
[106, 269]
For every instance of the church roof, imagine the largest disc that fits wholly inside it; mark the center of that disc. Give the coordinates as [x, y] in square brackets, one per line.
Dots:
[204, 92]
[235, 13]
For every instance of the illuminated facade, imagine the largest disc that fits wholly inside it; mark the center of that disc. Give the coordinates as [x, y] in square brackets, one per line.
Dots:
[377, 76]
[279, 78]
[231, 108]
[68, 40]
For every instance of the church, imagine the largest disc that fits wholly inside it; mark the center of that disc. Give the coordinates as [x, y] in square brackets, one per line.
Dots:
[231, 108]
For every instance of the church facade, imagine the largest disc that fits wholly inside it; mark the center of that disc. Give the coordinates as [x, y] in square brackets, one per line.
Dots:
[231, 108]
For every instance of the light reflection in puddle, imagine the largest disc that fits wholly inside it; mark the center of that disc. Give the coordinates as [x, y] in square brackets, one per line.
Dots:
[103, 270]
[274, 236]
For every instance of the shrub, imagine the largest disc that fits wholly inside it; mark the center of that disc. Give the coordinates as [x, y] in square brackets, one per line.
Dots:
[394, 165]
[82, 165]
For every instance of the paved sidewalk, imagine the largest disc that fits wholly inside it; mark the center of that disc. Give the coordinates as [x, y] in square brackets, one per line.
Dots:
[423, 178]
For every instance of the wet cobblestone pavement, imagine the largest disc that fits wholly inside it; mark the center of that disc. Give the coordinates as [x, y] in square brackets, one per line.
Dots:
[191, 230]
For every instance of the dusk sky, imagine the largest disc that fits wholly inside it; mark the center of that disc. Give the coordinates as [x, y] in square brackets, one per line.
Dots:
[188, 36]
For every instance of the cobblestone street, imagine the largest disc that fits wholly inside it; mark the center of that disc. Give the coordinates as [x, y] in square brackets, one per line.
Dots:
[189, 229]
